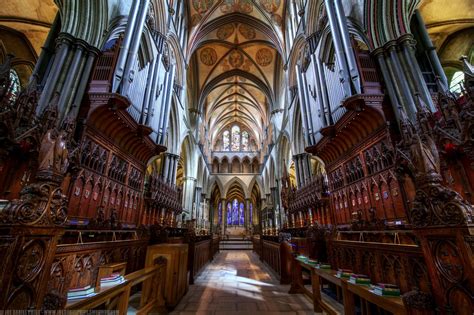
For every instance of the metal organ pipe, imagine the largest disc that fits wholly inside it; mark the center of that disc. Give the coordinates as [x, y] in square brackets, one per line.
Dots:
[165, 117]
[353, 69]
[148, 91]
[153, 95]
[122, 58]
[340, 57]
[318, 88]
[302, 102]
[161, 100]
[324, 91]
[308, 108]
[134, 46]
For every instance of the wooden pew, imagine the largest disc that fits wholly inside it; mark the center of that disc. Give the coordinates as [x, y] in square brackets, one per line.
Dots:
[117, 297]
[347, 290]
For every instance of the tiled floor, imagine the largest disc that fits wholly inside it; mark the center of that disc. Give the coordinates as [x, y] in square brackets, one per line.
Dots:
[238, 283]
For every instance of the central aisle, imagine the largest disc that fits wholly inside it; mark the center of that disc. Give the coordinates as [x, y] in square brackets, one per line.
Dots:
[236, 282]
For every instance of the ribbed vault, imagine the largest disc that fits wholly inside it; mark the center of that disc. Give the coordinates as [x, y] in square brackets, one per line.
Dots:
[235, 50]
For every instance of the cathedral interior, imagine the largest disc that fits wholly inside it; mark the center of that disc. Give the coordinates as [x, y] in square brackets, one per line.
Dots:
[237, 157]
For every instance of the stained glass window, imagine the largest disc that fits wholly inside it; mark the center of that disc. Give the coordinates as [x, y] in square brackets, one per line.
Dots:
[14, 88]
[235, 212]
[241, 214]
[226, 140]
[245, 141]
[219, 213]
[229, 214]
[236, 138]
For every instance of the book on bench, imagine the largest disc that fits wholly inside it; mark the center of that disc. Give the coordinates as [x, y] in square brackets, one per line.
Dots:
[80, 293]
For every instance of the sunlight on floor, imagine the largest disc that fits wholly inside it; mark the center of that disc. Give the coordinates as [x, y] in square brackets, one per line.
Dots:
[238, 283]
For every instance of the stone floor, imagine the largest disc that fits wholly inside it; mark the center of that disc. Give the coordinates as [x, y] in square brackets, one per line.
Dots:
[237, 282]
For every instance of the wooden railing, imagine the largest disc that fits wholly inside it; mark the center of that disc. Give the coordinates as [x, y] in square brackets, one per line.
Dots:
[257, 245]
[271, 255]
[117, 298]
[201, 254]
[201, 251]
[215, 246]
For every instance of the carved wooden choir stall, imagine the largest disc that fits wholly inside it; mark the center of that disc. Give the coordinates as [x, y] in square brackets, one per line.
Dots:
[396, 204]
[82, 201]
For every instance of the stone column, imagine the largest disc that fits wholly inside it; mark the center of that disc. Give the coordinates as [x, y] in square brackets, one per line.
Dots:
[298, 170]
[434, 59]
[224, 217]
[188, 195]
[62, 50]
[408, 46]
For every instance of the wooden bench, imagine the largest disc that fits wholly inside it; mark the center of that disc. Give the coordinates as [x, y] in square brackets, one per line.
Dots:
[117, 297]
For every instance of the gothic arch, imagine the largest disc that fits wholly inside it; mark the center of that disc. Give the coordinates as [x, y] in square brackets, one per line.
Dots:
[237, 181]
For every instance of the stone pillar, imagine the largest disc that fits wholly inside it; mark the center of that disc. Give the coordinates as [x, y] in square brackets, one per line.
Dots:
[175, 169]
[197, 204]
[434, 59]
[62, 50]
[224, 216]
[408, 46]
[298, 171]
[188, 195]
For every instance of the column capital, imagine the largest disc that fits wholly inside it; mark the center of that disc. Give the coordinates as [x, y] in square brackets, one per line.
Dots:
[171, 155]
[190, 178]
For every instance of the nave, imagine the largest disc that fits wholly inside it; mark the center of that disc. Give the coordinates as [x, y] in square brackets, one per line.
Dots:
[237, 282]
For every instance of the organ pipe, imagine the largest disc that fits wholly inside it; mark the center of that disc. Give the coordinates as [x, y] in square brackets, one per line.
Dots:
[122, 58]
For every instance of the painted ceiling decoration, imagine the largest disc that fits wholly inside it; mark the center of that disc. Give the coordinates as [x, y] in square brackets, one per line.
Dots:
[237, 48]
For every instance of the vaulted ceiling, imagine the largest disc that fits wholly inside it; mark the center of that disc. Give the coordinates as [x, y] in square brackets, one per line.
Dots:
[33, 18]
[451, 27]
[235, 48]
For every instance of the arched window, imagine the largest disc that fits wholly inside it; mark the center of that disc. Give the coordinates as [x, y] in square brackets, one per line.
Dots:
[226, 141]
[14, 89]
[241, 214]
[245, 141]
[229, 214]
[235, 212]
[236, 138]
[456, 82]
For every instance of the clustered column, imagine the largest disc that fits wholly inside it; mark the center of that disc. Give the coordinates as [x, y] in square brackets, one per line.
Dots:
[303, 168]
[170, 166]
